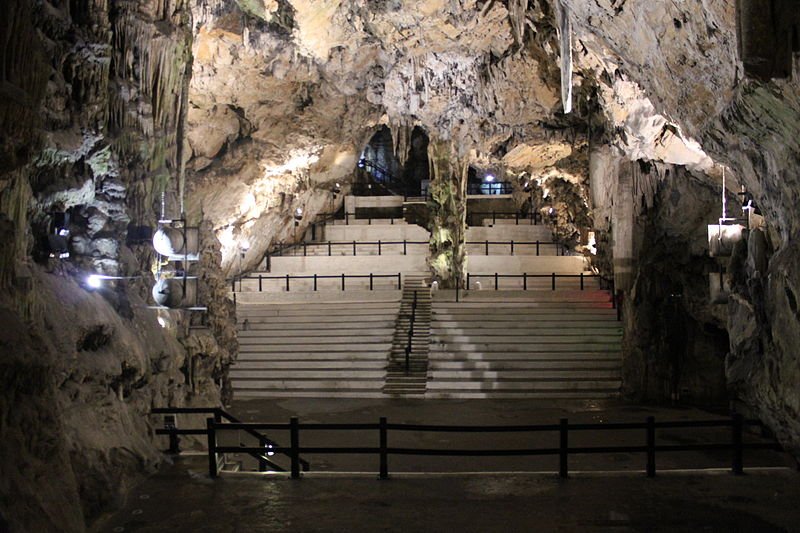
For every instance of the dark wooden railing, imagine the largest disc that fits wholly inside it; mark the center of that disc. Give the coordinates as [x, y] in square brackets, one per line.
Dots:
[650, 447]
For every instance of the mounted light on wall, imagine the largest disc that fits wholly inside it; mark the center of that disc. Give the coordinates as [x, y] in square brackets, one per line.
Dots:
[96, 281]
[722, 237]
[489, 178]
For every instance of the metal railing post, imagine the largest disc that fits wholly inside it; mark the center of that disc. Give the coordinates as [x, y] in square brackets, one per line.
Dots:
[524, 281]
[370, 281]
[398, 281]
[737, 464]
[512, 246]
[496, 280]
[354, 248]
[212, 447]
[563, 448]
[262, 460]
[260, 281]
[315, 282]
[651, 446]
[382, 444]
[329, 248]
[537, 248]
[294, 443]
[405, 251]
[581, 280]
[379, 247]
[553, 284]
[487, 248]
[287, 282]
[342, 280]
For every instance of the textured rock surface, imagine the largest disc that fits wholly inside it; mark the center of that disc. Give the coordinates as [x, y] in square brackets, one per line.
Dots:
[263, 105]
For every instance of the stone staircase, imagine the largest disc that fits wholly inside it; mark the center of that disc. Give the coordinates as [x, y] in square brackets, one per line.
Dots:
[317, 348]
[525, 344]
[411, 381]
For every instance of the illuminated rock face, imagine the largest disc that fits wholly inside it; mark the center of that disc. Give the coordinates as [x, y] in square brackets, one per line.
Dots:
[263, 105]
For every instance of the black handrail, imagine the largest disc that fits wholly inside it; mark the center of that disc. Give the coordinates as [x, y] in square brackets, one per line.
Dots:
[525, 276]
[265, 443]
[559, 247]
[350, 244]
[736, 443]
[490, 188]
[533, 216]
[316, 277]
[411, 331]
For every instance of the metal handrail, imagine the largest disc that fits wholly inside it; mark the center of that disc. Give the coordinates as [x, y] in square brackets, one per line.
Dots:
[736, 444]
[534, 216]
[316, 277]
[411, 332]
[265, 443]
[525, 276]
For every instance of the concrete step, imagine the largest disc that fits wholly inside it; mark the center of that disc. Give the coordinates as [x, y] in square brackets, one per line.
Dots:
[582, 354]
[313, 357]
[300, 328]
[514, 365]
[528, 385]
[509, 326]
[505, 394]
[308, 373]
[310, 347]
[553, 344]
[341, 313]
[325, 364]
[522, 375]
[253, 337]
[309, 384]
[315, 393]
[555, 337]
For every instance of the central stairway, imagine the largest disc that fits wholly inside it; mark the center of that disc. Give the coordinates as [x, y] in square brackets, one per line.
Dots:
[412, 380]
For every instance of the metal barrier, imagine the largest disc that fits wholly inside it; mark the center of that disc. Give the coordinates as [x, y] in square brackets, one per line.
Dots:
[532, 218]
[561, 249]
[266, 445]
[525, 277]
[315, 277]
[736, 443]
[349, 245]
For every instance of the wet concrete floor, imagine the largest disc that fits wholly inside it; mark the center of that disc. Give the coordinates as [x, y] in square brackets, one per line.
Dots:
[604, 492]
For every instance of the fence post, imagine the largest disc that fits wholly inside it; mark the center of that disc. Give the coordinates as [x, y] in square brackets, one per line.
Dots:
[581, 280]
[537, 248]
[342, 280]
[370, 281]
[405, 251]
[379, 247]
[174, 444]
[563, 448]
[554, 281]
[305, 249]
[233, 285]
[287, 282]
[329, 248]
[212, 447]
[651, 446]
[315, 282]
[468, 285]
[354, 248]
[737, 465]
[294, 442]
[260, 287]
[524, 281]
[398, 281]
[384, 466]
[487, 248]
[262, 460]
[512, 246]
[494, 218]
[496, 280]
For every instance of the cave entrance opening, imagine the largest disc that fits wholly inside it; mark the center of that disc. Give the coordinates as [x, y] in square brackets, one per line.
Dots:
[382, 172]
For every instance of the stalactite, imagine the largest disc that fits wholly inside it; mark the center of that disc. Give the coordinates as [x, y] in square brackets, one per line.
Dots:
[516, 17]
[565, 29]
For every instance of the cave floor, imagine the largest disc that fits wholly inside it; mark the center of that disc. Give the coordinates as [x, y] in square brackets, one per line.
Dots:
[342, 493]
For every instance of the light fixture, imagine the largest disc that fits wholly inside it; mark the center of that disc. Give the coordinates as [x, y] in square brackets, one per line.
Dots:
[298, 214]
[94, 281]
[162, 322]
[489, 178]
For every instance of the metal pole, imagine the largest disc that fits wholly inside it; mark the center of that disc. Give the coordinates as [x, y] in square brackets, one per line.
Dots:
[212, 448]
[563, 448]
[737, 465]
[651, 446]
[294, 437]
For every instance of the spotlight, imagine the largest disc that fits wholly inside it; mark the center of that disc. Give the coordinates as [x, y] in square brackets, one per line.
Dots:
[269, 447]
[94, 281]
[162, 322]
[488, 178]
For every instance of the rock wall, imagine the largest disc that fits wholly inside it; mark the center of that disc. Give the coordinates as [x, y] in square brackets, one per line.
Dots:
[92, 129]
